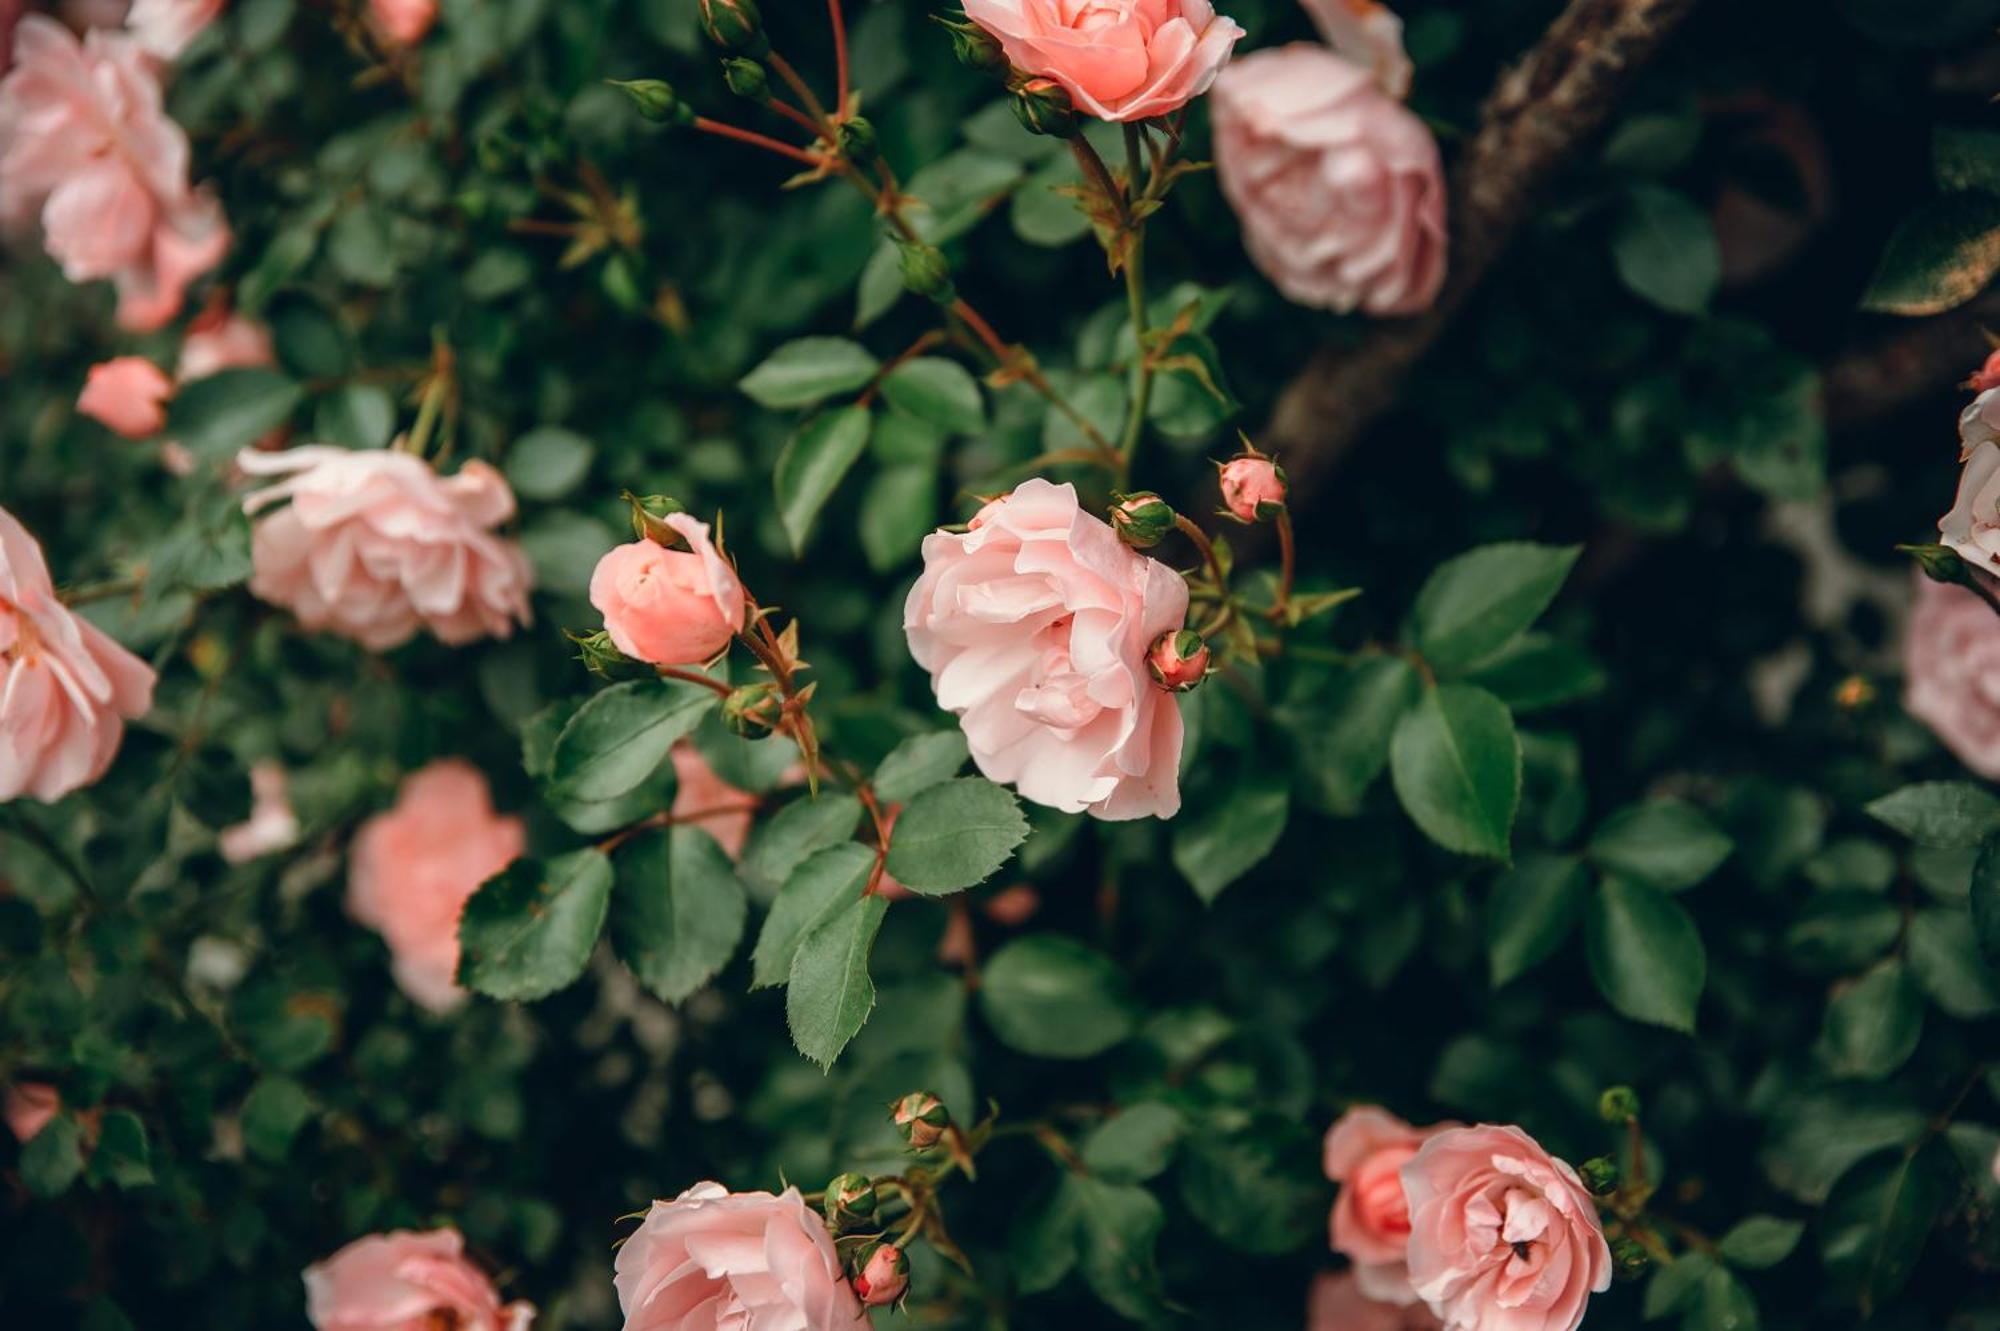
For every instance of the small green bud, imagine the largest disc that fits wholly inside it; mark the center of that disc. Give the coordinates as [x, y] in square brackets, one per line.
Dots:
[647, 514]
[1043, 107]
[1940, 563]
[603, 659]
[1618, 1104]
[657, 101]
[751, 711]
[922, 1118]
[849, 1202]
[735, 26]
[926, 271]
[1599, 1174]
[746, 78]
[1141, 520]
[975, 47]
[857, 141]
[1629, 1259]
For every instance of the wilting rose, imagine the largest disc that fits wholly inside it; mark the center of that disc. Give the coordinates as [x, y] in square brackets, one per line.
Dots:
[412, 869]
[1034, 625]
[28, 1107]
[669, 606]
[1365, 1152]
[406, 1281]
[1370, 35]
[127, 395]
[217, 340]
[1337, 1304]
[402, 22]
[374, 545]
[1503, 1237]
[163, 28]
[1338, 185]
[1951, 665]
[713, 1258]
[1117, 59]
[66, 689]
[87, 149]
[271, 826]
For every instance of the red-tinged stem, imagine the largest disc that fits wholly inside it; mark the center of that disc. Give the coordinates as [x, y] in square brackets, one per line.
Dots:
[839, 50]
[797, 85]
[755, 140]
[688, 676]
[1288, 559]
[796, 116]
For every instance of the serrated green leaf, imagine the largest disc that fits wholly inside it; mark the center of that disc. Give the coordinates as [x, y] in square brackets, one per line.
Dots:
[1475, 604]
[937, 390]
[529, 930]
[1232, 833]
[1941, 256]
[918, 763]
[954, 835]
[823, 882]
[829, 994]
[1944, 815]
[813, 465]
[215, 416]
[1534, 907]
[677, 912]
[621, 736]
[1665, 250]
[1663, 843]
[1456, 764]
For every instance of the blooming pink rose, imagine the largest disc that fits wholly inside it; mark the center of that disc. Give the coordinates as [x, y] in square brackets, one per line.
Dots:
[402, 22]
[271, 826]
[1337, 184]
[749, 1261]
[1503, 1236]
[1117, 59]
[1253, 487]
[1337, 1304]
[669, 607]
[66, 689]
[705, 800]
[86, 148]
[1034, 624]
[1365, 1151]
[375, 545]
[406, 1281]
[1951, 664]
[412, 869]
[1370, 35]
[28, 1107]
[127, 395]
[219, 340]
[163, 28]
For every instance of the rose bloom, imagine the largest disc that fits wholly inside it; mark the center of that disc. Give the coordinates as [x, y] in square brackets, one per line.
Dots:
[374, 545]
[163, 28]
[1370, 35]
[406, 1281]
[1338, 185]
[748, 1261]
[1365, 1152]
[1034, 624]
[1337, 1304]
[87, 149]
[412, 869]
[28, 1107]
[127, 395]
[669, 606]
[1951, 664]
[402, 22]
[219, 340]
[1503, 1236]
[1972, 527]
[1117, 59]
[66, 689]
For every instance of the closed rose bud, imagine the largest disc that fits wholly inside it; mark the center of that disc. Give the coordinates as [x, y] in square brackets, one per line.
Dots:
[1141, 520]
[1940, 563]
[849, 1199]
[669, 607]
[857, 140]
[735, 25]
[1043, 107]
[884, 1275]
[746, 78]
[975, 47]
[922, 1118]
[1178, 660]
[656, 100]
[1599, 1174]
[926, 272]
[1987, 375]
[1618, 1104]
[1629, 1259]
[751, 711]
[1253, 488]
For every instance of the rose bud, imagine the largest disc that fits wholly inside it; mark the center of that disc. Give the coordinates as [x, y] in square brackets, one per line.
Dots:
[1629, 1259]
[975, 47]
[1043, 107]
[1618, 1104]
[857, 140]
[922, 1118]
[1599, 1174]
[656, 100]
[735, 25]
[1253, 488]
[601, 657]
[746, 78]
[669, 607]
[750, 711]
[884, 1275]
[926, 272]
[1987, 375]
[1178, 660]
[1141, 520]
[1940, 563]
[850, 1200]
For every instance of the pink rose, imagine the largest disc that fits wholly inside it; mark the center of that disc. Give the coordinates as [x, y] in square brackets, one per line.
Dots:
[66, 689]
[375, 545]
[271, 826]
[1370, 35]
[163, 28]
[1253, 488]
[86, 148]
[1117, 59]
[1951, 664]
[412, 869]
[402, 22]
[883, 1277]
[1972, 528]
[1987, 376]
[715, 1258]
[28, 1107]
[1337, 184]
[406, 1281]
[1034, 624]
[1503, 1237]
[703, 799]
[127, 395]
[1365, 1152]
[219, 340]
[669, 607]
[1337, 1304]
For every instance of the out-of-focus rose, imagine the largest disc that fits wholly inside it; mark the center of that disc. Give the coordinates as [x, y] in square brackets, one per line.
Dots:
[712, 1258]
[271, 826]
[1951, 666]
[1034, 624]
[127, 395]
[1338, 185]
[87, 149]
[1337, 1304]
[407, 1281]
[1253, 488]
[669, 607]
[66, 689]
[218, 339]
[413, 868]
[1370, 35]
[1503, 1236]
[28, 1106]
[1117, 59]
[1365, 1152]
[705, 800]
[402, 22]
[163, 28]
[1972, 527]
[374, 545]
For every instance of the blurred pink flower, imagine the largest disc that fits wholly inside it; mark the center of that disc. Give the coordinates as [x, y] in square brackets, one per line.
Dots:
[271, 826]
[127, 395]
[219, 339]
[1951, 666]
[163, 28]
[1364, 1153]
[28, 1106]
[1338, 1304]
[1370, 35]
[1117, 59]
[406, 1281]
[725, 810]
[402, 22]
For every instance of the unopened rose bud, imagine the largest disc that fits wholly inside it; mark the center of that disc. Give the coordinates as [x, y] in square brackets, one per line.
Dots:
[1629, 1259]
[1618, 1104]
[751, 711]
[1987, 375]
[647, 512]
[746, 78]
[922, 1118]
[1178, 660]
[1043, 107]
[1141, 520]
[926, 271]
[857, 140]
[850, 1200]
[1939, 563]
[975, 47]
[884, 1275]
[656, 101]
[1599, 1174]
[735, 26]
[1253, 488]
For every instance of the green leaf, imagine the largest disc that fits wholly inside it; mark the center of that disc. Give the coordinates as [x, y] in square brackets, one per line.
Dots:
[1944, 815]
[1675, 1285]
[274, 1113]
[812, 465]
[1759, 1241]
[1536, 671]
[122, 1156]
[1232, 833]
[1941, 256]
[1248, 1192]
[954, 835]
[1119, 1227]
[823, 882]
[898, 509]
[1533, 908]
[1821, 1134]
[356, 415]
[810, 370]
[1944, 958]
[940, 391]
[1872, 1024]
[1984, 900]
[1472, 606]
[1645, 954]
[549, 462]
[621, 735]
[216, 416]
[52, 1159]
[918, 763]
[1456, 764]
[529, 930]
[678, 911]
[1663, 843]
[1721, 1304]
[1665, 249]
[1963, 158]
[1342, 737]
[829, 995]
[1042, 1241]
[1050, 996]
[780, 843]
[1135, 1144]
[1876, 1223]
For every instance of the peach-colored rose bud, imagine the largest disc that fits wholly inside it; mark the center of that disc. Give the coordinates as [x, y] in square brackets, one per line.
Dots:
[402, 22]
[1987, 375]
[1253, 488]
[669, 607]
[922, 1118]
[28, 1106]
[1371, 1222]
[1178, 660]
[127, 395]
[713, 1258]
[883, 1276]
[1142, 520]
[1117, 59]
[406, 1281]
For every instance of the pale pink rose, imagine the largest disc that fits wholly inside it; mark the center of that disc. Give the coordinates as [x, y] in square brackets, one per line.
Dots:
[1370, 35]
[374, 545]
[1951, 665]
[407, 1281]
[412, 869]
[669, 607]
[1979, 423]
[1972, 527]
[66, 689]
[219, 340]
[402, 22]
[1253, 488]
[1117, 59]
[271, 826]
[703, 799]
[28, 1107]
[87, 149]
[747, 1261]
[1034, 624]
[1338, 185]
[127, 395]
[1338, 1304]
[1503, 1236]
[163, 28]
[1365, 1152]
